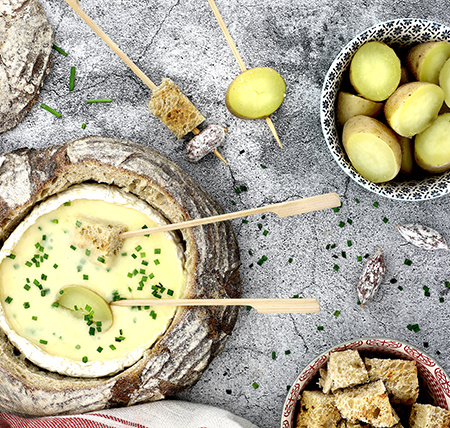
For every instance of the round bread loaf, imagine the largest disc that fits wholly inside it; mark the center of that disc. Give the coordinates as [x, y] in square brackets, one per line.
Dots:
[195, 335]
[26, 40]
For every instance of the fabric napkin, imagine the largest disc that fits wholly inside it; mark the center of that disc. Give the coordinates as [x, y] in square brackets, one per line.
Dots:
[160, 414]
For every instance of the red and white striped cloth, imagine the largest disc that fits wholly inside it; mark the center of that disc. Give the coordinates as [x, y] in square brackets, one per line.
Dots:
[160, 414]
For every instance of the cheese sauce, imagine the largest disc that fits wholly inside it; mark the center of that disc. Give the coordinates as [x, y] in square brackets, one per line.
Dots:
[44, 255]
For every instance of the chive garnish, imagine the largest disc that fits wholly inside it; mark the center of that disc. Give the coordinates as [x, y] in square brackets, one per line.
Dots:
[44, 342]
[320, 327]
[144, 262]
[27, 287]
[8, 299]
[11, 256]
[55, 304]
[100, 100]
[287, 352]
[55, 266]
[341, 224]
[99, 349]
[156, 261]
[55, 220]
[169, 292]
[336, 267]
[255, 385]
[72, 78]
[337, 313]
[101, 259]
[112, 347]
[85, 277]
[26, 305]
[59, 50]
[134, 256]
[34, 318]
[73, 247]
[49, 109]
[408, 262]
[157, 250]
[78, 223]
[91, 331]
[84, 359]
[83, 126]
[138, 248]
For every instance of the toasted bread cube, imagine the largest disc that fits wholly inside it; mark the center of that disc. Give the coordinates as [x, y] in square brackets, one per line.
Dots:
[100, 235]
[428, 416]
[399, 378]
[174, 109]
[367, 403]
[317, 410]
[344, 369]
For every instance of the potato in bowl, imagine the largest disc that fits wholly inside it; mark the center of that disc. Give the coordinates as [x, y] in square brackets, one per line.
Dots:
[400, 35]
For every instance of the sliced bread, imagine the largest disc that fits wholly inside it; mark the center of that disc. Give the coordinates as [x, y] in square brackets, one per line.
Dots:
[367, 403]
[344, 369]
[399, 378]
[317, 410]
[428, 416]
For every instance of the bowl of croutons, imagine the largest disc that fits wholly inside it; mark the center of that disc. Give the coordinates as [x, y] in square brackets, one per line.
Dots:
[385, 109]
[370, 382]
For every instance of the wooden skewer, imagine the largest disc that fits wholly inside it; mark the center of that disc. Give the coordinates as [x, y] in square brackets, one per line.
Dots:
[241, 64]
[75, 5]
[283, 209]
[266, 306]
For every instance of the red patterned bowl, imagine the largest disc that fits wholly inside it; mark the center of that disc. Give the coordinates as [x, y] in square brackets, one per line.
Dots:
[432, 376]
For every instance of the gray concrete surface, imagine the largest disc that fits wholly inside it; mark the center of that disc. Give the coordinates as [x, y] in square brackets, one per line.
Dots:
[181, 39]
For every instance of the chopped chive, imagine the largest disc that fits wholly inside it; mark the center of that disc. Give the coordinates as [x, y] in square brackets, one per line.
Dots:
[44, 342]
[157, 250]
[320, 327]
[100, 100]
[34, 318]
[83, 126]
[255, 385]
[49, 109]
[344, 254]
[91, 331]
[55, 220]
[156, 261]
[441, 300]
[169, 292]
[72, 78]
[85, 277]
[144, 262]
[27, 287]
[67, 204]
[153, 314]
[447, 284]
[55, 266]
[84, 359]
[77, 346]
[349, 221]
[26, 305]
[44, 277]
[287, 352]
[55, 304]
[341, 224]
[245, 221]
[101, 259]
[134, 256]
[73, 247]
[385, 220]
[274, 355]
[290, 260]
[337, 313]
[336, 209]
[29, 264]
[78, 223]
[263, 166]
[359, 258]
[138, 248]
[8, 299]
[408, 262]
[11, 256]
[266, 232]
[59, 50]
[336, 267]
[262, 260]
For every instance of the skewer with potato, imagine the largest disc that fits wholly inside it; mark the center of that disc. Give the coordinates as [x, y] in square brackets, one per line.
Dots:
[414, 128]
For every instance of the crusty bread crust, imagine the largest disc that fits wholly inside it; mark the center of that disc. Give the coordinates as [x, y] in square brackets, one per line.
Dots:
[428, 416]
[26, 40]
[195, 336]
[317, 410]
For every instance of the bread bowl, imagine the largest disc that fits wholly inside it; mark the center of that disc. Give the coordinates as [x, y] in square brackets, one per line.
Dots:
[26, 40]
[194, 336]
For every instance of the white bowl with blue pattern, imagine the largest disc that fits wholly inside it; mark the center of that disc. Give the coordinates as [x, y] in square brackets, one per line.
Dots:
[398, 33]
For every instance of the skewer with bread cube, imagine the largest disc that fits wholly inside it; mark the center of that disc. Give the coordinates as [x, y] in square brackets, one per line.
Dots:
[168, 102]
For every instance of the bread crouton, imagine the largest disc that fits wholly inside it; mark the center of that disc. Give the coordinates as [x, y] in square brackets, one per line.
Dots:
[427, 416]
[317, 410]
[344, 369]
[367, 403]
[399, 378]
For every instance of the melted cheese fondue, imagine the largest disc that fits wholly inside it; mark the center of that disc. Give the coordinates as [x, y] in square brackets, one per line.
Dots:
[45, 254]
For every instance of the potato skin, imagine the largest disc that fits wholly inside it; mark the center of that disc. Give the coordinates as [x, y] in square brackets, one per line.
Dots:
[368, 125]
[398, 98]
[416, 57]
[349, 105]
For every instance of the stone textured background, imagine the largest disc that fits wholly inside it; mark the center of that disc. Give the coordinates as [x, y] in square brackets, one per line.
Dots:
[181, 39]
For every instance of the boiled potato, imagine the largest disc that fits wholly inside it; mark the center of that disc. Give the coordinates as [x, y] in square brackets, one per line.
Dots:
[432, 146]
[255, 93]
[426, 60]
[373, 149]
[349, 105]
[412, 107]
[407, 164]
[444, 81]
[81, 302]
[375, 71]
